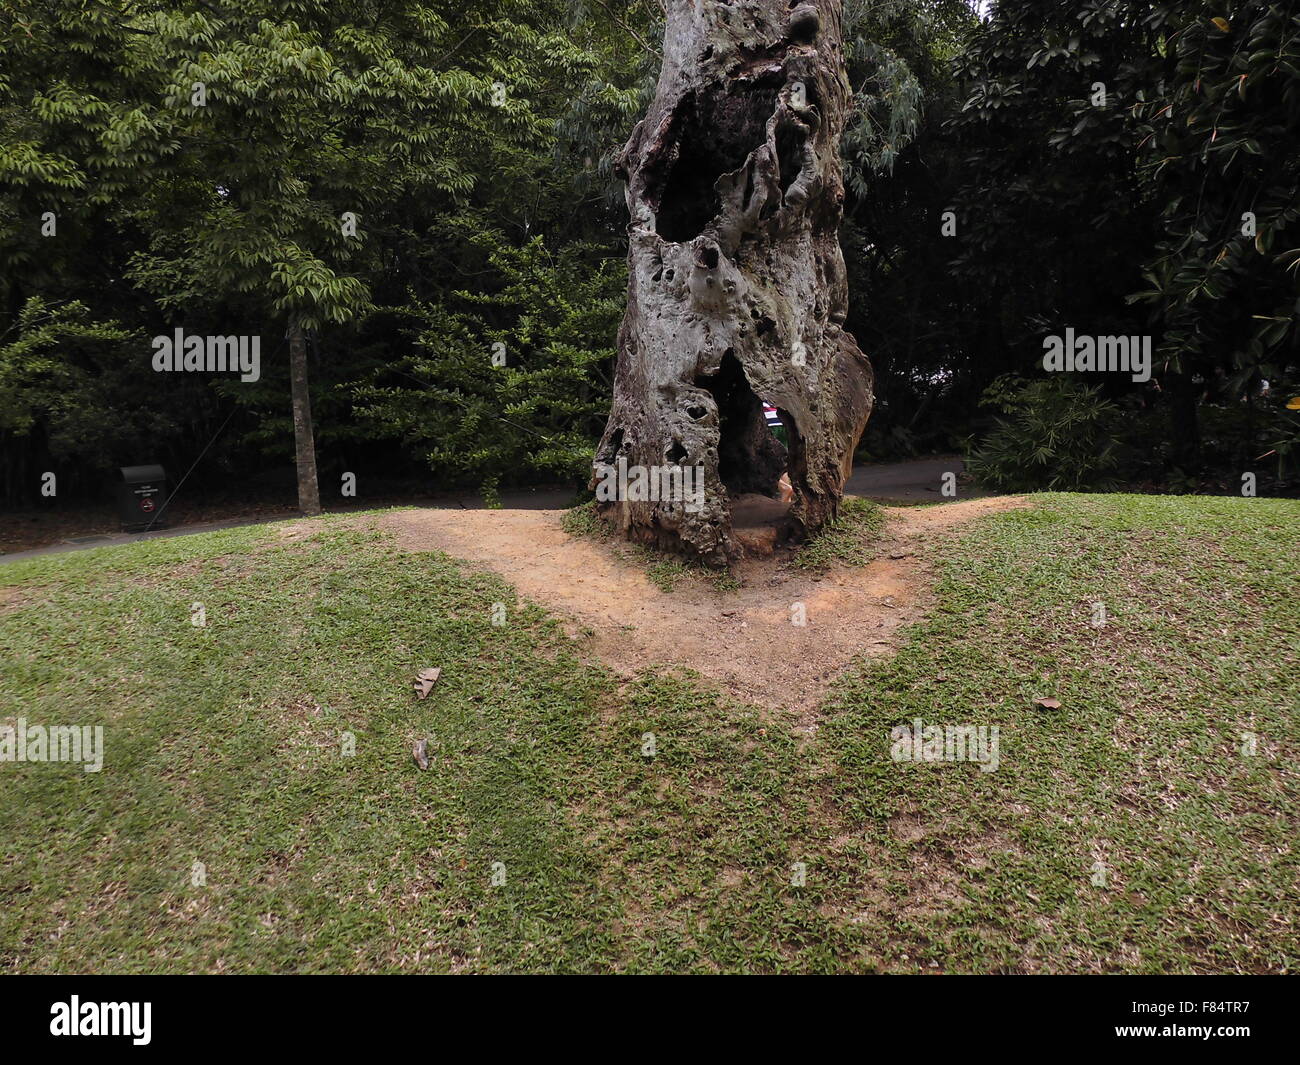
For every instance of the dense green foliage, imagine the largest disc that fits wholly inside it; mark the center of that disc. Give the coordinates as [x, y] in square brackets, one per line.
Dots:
[236, 167]
[1109, 151]
[536, 407]
[416, 181]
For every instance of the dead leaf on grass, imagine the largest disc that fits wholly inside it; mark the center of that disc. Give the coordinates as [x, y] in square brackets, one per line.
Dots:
[425, 680]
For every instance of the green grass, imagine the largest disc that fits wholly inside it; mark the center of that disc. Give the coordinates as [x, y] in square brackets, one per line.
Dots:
[665, 571]
[582, 520]
[847, 540]
[224, 747]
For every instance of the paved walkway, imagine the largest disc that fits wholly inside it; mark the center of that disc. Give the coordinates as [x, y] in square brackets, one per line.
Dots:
[917, 481]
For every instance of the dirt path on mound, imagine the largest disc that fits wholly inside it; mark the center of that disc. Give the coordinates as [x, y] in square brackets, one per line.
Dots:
[762, 656]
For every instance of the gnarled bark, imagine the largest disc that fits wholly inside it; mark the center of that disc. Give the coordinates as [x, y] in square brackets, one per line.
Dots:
[737, 291]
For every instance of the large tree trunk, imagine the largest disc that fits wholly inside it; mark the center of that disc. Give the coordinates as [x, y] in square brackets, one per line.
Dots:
[737, 292]
[303, 440]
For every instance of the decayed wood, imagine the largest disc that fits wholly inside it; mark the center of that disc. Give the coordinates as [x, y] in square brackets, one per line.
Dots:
[737, 291]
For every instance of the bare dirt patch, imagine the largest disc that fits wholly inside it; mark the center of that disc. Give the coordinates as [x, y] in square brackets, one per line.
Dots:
[743, 638]
[295, 531]
[15, 597]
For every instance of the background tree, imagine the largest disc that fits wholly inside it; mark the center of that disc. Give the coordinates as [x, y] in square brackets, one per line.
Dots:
[1110, 152]
[274, 163]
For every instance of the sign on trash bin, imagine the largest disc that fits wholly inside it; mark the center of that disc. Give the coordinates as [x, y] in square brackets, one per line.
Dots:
[142, 494]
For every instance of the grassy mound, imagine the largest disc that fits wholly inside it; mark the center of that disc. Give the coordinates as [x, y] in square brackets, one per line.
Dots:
[652, 826]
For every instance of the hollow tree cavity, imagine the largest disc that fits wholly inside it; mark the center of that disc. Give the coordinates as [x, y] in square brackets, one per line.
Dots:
[737, 292]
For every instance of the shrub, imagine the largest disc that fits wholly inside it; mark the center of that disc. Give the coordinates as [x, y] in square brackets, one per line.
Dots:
[537, 413]
[1055, 435]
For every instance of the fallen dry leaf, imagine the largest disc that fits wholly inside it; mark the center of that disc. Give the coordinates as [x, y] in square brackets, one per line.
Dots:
[425, 680]
[1047, 704]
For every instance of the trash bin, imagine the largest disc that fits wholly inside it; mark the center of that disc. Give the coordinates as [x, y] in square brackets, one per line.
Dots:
[141, 496]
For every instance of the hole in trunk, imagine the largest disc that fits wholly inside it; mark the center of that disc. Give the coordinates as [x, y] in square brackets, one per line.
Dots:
[714, 136]
[750, 458]
[804, 24]
[789, 154]
[796, 455]
[610, 453]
